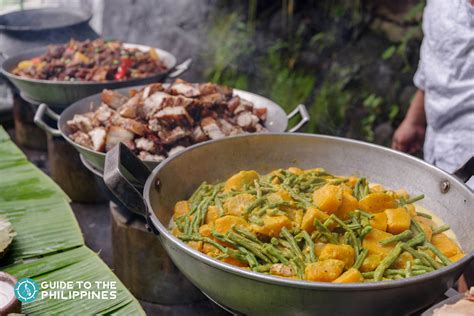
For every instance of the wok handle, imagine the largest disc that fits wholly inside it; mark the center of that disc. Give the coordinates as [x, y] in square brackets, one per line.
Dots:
[126, 190]
[43, 110]
[181, 68]
[301, 109]
[466, 171]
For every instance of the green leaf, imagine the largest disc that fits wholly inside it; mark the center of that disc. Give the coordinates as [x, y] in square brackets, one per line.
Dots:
[48, 245]
[393, 112]
[388, 53]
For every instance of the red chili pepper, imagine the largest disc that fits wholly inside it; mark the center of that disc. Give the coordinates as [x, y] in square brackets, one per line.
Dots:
[122, 69]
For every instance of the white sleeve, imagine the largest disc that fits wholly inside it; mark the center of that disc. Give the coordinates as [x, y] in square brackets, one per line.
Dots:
[420, 79]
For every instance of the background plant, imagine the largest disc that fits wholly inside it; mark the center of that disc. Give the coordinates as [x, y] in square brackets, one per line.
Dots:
[350, 62]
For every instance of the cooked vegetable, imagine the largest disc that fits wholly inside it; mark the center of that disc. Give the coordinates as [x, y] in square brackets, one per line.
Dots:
[398, 220]
[324, 270]
[377, 202]
[97, 60]
[311, 225]
[350, 276]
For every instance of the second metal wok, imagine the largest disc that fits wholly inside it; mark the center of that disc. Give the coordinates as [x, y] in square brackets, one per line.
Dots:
[252, 293]
[277, 121]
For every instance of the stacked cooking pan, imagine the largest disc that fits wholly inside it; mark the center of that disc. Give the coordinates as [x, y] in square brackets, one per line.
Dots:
[151, 189]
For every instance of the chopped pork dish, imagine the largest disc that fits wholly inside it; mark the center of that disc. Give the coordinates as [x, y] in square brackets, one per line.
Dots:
[160, 120]
[98, 60]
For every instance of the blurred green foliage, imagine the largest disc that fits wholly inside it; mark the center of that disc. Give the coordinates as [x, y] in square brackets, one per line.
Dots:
[309, 52]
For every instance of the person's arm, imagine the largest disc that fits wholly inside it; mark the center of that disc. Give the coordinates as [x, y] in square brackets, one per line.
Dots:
[410, 135]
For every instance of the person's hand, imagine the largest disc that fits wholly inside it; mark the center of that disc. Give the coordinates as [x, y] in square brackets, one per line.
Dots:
[409, 137]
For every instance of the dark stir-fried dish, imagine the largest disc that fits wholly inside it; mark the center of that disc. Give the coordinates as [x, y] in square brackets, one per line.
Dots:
[311, 225]
[97, 60]
[160, 120]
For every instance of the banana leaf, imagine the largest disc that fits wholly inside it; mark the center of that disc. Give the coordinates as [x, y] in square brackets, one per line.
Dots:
[10, 153]
[49, 244]
[3, 134]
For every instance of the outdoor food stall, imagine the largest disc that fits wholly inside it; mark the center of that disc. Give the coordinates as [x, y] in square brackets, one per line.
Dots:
[191, 195]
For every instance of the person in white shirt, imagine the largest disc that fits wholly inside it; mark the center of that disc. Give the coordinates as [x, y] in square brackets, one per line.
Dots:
[441, 114]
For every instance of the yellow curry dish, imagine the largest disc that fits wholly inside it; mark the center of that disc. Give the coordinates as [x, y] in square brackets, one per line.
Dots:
[314, 226]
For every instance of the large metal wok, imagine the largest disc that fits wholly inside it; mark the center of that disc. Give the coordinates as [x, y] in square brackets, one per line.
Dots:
[258, 294]
[60, 94]
[277, 121]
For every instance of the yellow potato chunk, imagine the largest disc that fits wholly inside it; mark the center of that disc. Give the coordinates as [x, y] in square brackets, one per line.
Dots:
[376, 202]
[210, 250]
[181, 208]
[311, 214]
[212, 214]
[371, 242]
[379, 221]
[344, 253]
[295, 170]
[402, 193]
[318, 248]
[351, 181]
[402, 260]
[398, 220]
[205, 230]
[346, 189]
[445, 245]
[225, 223]
[272, 225]
[237, 181]
[427, 230]
[278, 197]
[328, 198]
[411, 209]
[370, 263]
[349, 204]
[324, 270]
[236, 205]
[176, 232]
[350, 276]
[197, 245]
[457, 257]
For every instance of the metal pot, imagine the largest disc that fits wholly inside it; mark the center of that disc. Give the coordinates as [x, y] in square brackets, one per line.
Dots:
[249, 292]
[27, 29]
[60, 94]
[277, 121]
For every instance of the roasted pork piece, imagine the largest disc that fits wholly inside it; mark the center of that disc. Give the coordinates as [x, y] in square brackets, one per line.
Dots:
[158, 121]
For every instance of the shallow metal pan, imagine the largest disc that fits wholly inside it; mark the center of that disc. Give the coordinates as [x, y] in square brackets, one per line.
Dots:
[60, 94]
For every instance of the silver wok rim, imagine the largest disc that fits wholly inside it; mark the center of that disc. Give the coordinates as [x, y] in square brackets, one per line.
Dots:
[372, 286]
